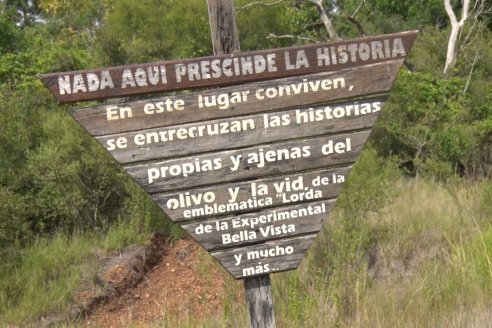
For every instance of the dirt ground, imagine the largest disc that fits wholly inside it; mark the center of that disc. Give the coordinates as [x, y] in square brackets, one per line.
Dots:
[184, 283]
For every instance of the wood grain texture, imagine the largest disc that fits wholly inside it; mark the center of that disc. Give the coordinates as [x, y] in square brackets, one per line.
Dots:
[260, 301]
[269, 224]
[366, 80]
[258, 259]
[236, 165]
[243, 131]
[247, 190]
[222, 18]
[170, 80]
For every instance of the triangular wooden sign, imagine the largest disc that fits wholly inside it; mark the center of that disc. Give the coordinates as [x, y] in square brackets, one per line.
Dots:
[252, 169]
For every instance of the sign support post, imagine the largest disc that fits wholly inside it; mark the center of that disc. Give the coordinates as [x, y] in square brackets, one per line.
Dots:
[225, 40]
[260, 301]
[223, 27]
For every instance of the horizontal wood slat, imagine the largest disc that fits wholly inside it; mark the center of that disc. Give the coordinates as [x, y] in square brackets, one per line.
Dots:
[152, 113]
[270, 257]
[248, 163]
[196, 138]
[269, 224]
[251, 196]
[226, 69]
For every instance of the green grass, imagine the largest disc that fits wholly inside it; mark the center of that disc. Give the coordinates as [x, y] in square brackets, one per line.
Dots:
[40, 280]
[433, 260]
[426, 262]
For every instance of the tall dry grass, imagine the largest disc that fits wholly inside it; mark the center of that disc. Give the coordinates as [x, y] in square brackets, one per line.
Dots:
[422, 260]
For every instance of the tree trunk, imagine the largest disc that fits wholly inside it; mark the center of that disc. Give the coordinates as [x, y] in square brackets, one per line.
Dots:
[327, 22]
[456, 28]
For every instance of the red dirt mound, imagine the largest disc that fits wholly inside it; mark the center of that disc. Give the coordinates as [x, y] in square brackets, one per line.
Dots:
[176, 286]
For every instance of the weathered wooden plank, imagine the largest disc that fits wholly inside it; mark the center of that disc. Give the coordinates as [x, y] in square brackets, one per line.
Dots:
[270, 257]
[247, 163]
[226, 69]
[270, 224]
[249, 196]
[225, 36]
[239, 100]
[196, 138]
[260, 301]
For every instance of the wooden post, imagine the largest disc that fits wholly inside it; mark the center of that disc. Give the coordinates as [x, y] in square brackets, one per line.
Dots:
[225, 36]
[260, 301]
[225, 40]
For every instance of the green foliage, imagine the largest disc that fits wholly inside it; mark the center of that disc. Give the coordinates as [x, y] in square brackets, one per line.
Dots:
[21, 132]
[139, 219]
[40, 280]
[133, 33]
[407, 14]
[482, 258]
[428, 122]
[257, 23]
[66, 52]
[25, 104]
[351, 18]
[428, 53]
[75, 15]
[299, 302]
[8, 35]
[486, 197]
[14, 228]
[74, 184]
[123, 234]
[369, 185]
[340, 254]
[21, 12]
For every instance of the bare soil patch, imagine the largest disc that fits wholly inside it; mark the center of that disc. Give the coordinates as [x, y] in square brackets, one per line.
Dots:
[177, 286]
